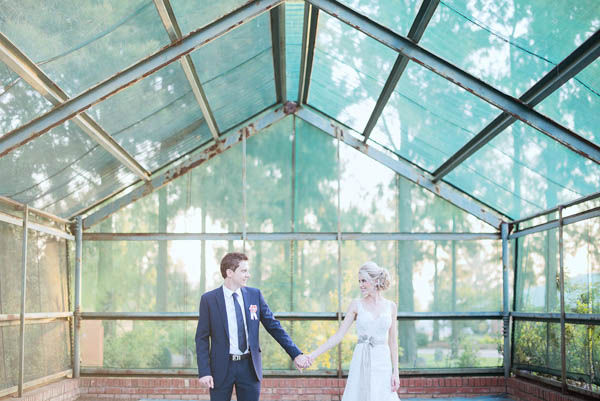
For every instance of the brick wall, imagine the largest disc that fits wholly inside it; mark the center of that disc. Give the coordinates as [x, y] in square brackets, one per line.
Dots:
[287, 389]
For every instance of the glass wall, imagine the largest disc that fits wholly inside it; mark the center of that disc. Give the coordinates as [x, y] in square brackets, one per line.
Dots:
[294, 181]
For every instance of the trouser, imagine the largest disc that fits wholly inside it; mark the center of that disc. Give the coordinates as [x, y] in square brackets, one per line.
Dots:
[241, 375]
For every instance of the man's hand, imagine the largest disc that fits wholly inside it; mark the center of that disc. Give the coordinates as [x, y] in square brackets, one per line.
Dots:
[207, 381]
[302, 362]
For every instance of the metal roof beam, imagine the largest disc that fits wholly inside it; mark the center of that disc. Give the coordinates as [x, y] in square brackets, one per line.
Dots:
[234, 137]
[461, 78]
[133, 74]
[170, 22]
[405, 169]
[278, 44]
[38, 80]
[415, 34]
[309, 40]
[574, 63]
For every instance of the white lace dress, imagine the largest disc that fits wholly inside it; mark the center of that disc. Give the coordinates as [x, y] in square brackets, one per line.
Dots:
[370, 376]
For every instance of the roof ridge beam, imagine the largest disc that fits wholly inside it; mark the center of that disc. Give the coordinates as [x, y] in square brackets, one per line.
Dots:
[574, 63]
[225, 142]
[17, 61]
[133, 74]
[416, 32]
[412, 173]
[278, 46]
[172, 27]
[309, 41]
[461, 78]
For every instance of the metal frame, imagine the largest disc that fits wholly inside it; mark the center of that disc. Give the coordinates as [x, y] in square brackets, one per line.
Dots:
[36, 383]
[415, 34]
[168, 19]
[41, 213]
[233, 137]
[34, 76]
[505, 300]
[405, 169]
[292, 236]
[588, 214]
[77, 290]
[554, 209]
[23, 301]
[309, 40]
[18, 221]
[461, 78]
[131, 75]
[575, 62]
[277, 16]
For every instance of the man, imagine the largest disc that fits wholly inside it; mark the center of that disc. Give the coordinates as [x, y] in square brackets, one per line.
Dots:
[229, 317]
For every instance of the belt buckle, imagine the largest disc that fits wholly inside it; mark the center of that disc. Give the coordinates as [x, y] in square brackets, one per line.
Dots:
[236, 357]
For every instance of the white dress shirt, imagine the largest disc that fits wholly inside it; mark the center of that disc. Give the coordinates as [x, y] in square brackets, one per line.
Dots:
[232, 320]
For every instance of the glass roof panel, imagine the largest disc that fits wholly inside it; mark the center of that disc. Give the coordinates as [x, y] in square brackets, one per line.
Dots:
[62, 171]
[19, 102]
[193, 14]
[237, 74]
[510, 44]
[349, 71]
[523, 171]
[294, 21]
[428, 118]
[79, 44]
[576, 104]
[163, 127]
[397, 15]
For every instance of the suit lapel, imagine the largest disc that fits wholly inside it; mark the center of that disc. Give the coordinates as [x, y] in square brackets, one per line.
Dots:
[222, 309]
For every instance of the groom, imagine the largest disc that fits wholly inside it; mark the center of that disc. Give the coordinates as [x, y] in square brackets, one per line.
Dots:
[227, 346]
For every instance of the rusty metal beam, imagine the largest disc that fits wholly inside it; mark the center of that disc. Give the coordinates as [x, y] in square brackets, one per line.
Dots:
[405, 169]
[575, 62]
[131, 75]
[446, 70]
[38, 80]
[309, 40]
[225, 142]
[278, 44]
[415, 34]
[170, 23]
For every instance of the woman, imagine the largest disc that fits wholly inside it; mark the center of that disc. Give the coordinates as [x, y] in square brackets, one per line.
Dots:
[373, 372]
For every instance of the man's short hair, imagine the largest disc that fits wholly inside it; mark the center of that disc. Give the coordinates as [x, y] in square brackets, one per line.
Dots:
[231, 261]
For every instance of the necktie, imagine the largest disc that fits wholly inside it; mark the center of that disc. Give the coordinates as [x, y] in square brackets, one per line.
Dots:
[241, 332]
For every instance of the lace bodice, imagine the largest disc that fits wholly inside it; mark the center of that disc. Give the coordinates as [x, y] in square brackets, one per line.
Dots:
[367, 324]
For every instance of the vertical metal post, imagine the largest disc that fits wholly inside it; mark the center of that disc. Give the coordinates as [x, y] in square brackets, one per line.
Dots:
[339, 241]
[244, 195]
[23, 299]
[563, 340]
[505, 299]
[77, 311]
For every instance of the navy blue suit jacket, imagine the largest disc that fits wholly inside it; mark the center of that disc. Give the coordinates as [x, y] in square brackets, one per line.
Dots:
[213, 355]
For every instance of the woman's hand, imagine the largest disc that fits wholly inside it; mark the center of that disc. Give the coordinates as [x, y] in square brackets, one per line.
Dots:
[395, 382]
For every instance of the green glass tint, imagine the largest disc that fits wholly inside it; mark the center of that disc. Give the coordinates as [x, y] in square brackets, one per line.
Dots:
[139, 344]
[537, 346]
[162, 128]
[151, 276]
[523, 171]
[269, 178]
[47, 349]
[61, 172]
[434, 344]
[236, 71]
[348, 74]
[20, 103]
[314, 276]
[9, 351]
[192, 15]
[428, 119]
[11, 244]
[79, 45]
[294, 20]
[509, 44]
[397, 15]
[537, 287]
[575, 105]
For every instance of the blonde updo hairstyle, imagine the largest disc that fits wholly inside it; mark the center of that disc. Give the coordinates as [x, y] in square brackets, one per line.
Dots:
[379, 276]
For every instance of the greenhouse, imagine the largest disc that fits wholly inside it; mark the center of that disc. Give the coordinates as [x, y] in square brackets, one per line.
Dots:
[455, 143]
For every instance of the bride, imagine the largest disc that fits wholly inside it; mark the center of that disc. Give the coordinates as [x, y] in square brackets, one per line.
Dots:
[373, 372]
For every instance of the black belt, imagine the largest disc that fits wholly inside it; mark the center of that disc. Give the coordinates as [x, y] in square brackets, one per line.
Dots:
[233, 357]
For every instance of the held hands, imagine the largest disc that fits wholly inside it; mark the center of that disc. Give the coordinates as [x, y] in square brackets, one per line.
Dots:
[207, 381]
[302, 362]
[395, 382]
